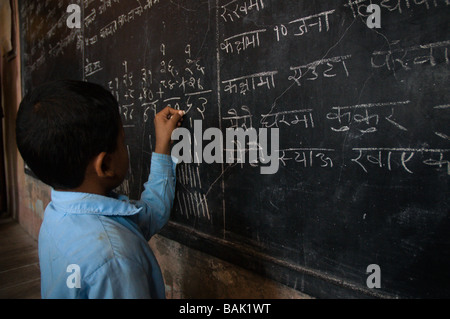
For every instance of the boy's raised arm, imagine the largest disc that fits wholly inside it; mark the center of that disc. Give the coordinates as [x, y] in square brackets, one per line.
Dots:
[159, 191]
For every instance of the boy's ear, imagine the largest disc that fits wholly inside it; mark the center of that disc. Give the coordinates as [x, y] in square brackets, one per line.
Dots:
[102, 165]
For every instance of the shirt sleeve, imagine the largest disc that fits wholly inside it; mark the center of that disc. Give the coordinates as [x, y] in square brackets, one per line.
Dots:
[158, 195]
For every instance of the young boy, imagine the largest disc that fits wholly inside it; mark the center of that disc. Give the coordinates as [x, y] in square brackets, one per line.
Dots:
[94, 243]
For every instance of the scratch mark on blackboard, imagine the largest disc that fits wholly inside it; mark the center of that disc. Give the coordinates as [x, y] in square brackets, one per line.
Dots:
[385, 38]
[276, 207]
[363, 87]
[329, 50]
[207, 31]
[446, 106]
[444, 136]
[180, 6]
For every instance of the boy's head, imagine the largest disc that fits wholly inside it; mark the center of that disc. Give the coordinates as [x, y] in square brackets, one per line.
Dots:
[70, 133]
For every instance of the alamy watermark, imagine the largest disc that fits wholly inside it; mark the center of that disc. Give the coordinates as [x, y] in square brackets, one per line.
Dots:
[374, 279]
[74, 279]
[74, 18]
[239, 144]
[374, 19]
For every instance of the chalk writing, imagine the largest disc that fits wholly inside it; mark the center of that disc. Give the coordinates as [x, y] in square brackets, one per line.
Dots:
[90, 18]
[125, 18]
[38, 63]
[320, 68]
[105, 4]
[243, 41]
[109, 29]
[243, 85]
[431, 54]
[236, 120]
[90, 41]
[233, 10]
[173, 84]
[302, 117]
[190, 175]
[87, 3]
[441, 108]
[58, 48]
[439, 163]
[303, 25]
[92, 67]
[192, 202]
[383, 158]
[308, 157]
[150, 3]
[359, 114]
[359, 7]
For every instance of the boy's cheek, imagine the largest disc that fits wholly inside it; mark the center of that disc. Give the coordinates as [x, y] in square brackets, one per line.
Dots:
[126, 161]
[123, 160]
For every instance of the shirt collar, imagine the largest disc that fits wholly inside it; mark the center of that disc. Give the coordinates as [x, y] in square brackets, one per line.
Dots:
[86, 204]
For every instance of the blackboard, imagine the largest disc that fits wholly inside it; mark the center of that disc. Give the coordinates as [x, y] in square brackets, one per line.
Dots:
[362, 113]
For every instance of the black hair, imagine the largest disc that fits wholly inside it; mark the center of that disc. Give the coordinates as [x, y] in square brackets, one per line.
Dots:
[62, 125]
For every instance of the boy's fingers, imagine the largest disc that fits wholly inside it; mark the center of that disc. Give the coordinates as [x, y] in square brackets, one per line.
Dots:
[169, 113]
[166, 112]
[175, 115]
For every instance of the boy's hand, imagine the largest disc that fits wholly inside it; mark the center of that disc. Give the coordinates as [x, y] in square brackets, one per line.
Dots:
[165, 122]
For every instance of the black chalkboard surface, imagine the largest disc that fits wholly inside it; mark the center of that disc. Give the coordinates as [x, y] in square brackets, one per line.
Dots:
[362, 114]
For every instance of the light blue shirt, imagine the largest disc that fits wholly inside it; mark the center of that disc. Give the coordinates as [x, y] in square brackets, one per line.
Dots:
[93, 246]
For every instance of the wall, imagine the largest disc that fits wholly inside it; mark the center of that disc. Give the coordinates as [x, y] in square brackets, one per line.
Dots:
[188, 273]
